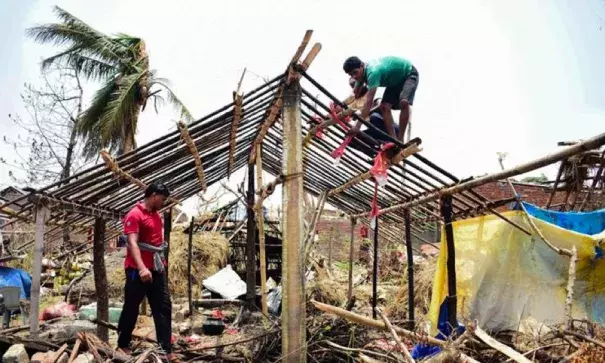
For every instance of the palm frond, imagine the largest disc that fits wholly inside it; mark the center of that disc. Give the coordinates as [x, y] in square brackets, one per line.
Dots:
[88, 123]
[175, 101]
[122, 107]
[93, 69]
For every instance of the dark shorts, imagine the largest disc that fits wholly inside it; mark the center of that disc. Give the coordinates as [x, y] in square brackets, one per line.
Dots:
[404, 91]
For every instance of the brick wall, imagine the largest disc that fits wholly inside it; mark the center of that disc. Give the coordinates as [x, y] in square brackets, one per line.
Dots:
[338, 228]
[531, 193]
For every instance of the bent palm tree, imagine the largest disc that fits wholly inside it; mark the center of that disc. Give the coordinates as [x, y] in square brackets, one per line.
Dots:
[121, 63]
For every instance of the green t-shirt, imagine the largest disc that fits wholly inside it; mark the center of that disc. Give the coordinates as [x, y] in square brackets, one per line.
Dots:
[387, 72]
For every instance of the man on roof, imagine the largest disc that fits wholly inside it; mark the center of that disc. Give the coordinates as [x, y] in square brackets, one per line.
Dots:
[398, 76]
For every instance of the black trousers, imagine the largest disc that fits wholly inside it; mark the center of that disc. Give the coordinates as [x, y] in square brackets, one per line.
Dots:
[158, 296]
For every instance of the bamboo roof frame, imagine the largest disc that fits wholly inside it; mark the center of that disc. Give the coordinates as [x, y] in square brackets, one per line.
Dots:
[225, 140]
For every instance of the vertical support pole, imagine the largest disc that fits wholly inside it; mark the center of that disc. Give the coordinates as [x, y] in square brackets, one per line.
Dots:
[100, 276]
[447, 212]
[408, 251]
[293, 313]
[330, 242]
[261, 233]
[351, 253]
[251, 242]
[189, 258]
[375, 271]
[41, 214]
[167, 230]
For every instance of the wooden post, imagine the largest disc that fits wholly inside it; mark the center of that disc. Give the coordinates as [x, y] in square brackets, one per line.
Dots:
[293, 304]
[375, 271]
[408, 251]
[189, 258]
[446, 210]
[351, 253]
[41, 215]
[330, 242]
[251, 243]
[167, 230]
[261, 233]
[100, 276]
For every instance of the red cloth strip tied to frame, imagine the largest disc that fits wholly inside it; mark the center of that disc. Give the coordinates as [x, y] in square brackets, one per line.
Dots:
[381, 165]
[320, 131]
[339, 152]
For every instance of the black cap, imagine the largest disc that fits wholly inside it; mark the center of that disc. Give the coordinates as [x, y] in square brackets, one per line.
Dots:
[157, 187]
[351, 63]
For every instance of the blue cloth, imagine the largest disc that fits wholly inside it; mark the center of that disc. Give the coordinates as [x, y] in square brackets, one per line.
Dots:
[16, 277]
[587, 223]
[445, 330]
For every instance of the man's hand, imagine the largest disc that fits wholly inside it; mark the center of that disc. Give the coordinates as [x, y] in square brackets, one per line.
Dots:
[145, 275]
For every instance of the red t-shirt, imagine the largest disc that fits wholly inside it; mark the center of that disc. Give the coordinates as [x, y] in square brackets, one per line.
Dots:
[149, 226]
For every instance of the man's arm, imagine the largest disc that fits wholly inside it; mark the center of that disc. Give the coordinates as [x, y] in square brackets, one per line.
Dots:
[135, 252]
[365, 111]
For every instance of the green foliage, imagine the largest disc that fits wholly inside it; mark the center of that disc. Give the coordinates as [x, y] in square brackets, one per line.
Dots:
[542, 179]
[122, 64]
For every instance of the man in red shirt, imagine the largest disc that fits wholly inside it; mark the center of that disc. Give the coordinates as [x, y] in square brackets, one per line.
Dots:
[145, 270]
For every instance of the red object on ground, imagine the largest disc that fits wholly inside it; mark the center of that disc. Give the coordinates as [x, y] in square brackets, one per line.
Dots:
[57, 311]
[364, 231]
[217, 313]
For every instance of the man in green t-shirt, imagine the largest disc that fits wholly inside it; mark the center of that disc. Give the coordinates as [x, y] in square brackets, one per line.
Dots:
[399, 77]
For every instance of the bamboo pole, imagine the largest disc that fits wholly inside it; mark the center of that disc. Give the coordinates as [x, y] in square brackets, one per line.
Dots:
[199, 169]
[592, 143]
[595, 182]
[309, 239]
[251, 241]
[375, 271]
[504, 349]
[293, 314]
[404, 350]
[189, 261]
[446, 210]
[410, 258]
[351, 252]
[237, 113]
[403, 154]
[570, 282]
[41, 214]
[100, 277]
[261, 234]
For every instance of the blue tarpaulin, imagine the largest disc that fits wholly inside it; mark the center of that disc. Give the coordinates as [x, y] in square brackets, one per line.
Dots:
[16, 277]
[589, 223]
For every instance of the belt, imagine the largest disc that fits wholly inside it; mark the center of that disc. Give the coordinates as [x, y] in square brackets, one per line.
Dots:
[158, 254]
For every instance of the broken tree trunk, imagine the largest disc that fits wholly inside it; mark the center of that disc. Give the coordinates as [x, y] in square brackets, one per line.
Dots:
[100, 277]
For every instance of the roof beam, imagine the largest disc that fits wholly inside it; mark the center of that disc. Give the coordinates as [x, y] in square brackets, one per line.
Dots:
[594, 142]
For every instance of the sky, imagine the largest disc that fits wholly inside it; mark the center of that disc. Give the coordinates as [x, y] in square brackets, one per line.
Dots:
[512, 76]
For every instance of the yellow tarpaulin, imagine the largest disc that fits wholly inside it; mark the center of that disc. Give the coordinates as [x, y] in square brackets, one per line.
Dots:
[506, 278]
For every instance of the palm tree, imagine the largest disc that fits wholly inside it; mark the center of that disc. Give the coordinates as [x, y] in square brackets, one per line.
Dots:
[121, 63]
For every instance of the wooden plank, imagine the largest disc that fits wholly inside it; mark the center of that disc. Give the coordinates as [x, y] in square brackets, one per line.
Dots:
[199, 169]
[293, 303]
[261, 234]
[100, 277]
[41, 215]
